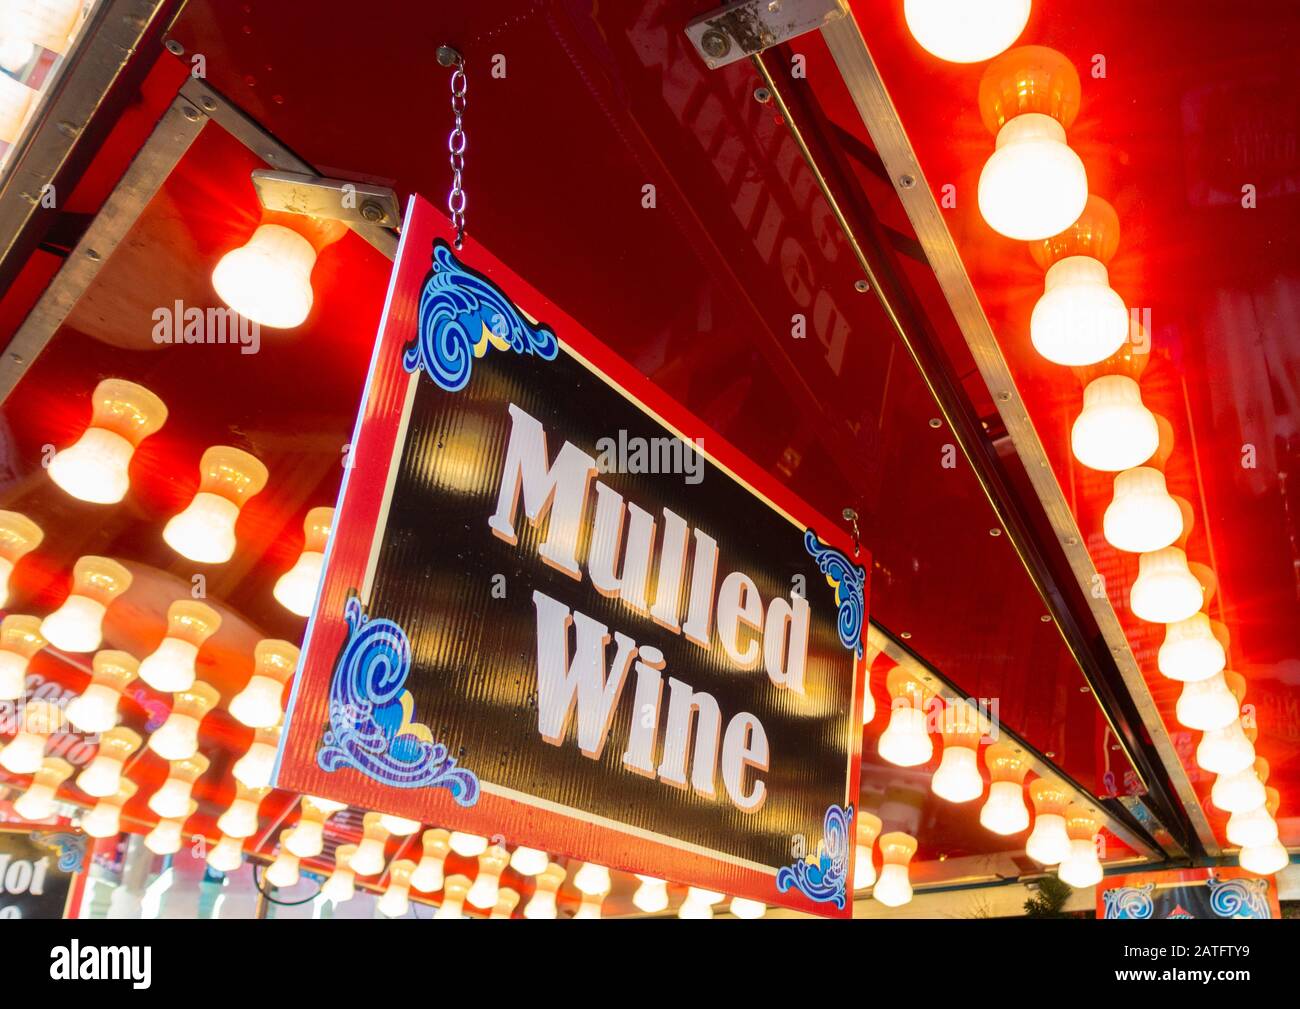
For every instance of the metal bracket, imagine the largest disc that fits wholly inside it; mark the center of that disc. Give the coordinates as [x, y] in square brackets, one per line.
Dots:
[739, 30]
[332, 199]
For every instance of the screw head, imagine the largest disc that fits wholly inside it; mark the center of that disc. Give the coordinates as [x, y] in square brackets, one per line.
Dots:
[372, 211]
[1046, 618]
[849, 515]
[861, 286]
[715, 43]
[191, 113]
[448, 56]
[936, 422]
[174, 47]
[93, 255]
[995, 531]
[905, 635]
[762, 96]
[907, 181]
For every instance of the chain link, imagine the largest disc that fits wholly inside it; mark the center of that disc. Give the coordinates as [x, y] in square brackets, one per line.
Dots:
[456, 150]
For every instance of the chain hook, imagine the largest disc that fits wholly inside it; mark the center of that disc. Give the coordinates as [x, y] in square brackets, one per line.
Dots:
[449, 57]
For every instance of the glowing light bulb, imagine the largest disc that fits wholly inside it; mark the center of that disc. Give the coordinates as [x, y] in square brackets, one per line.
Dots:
[698, 903]
[1191, 651]
[590, 906]
[399, 826]
[1115, 431]
[78, 625]
[284, 871]
[25, 753]
[166, 836]
[96, 709]
[1256, 827]
[1207, 704]
[906, 740]
[105, 817]
[205, 530]
[260, 704]
[341, 885]
[894, 888]
[487, 883]
[1241, 791]
[591, 878]
[15, 54]
[1165, 591]
[240, 820]
[396, 900]
[1033, 186]
[957, 778]
[1142, 517]
[15, 101]
[1226, 750]
[103, 775]
[868, 699]
[507, 901]
[743, 907]
[651, 896]
[296, 588]
[428, 877]
[1081, 868]
[20, 639]
[178, 737]
[528, 861]
[171, 666]
[962, 31]
[306, 838]
[543, 905]
[1049, 842]
[1005, 812]
[1079, 320]
[268, 279]
[172, 800]
[468, 845]
[864, 867]
[45, 23]
[94, 468]
[39, 800]
[227, 855]
[369, 858]
[19, 536]
[453, 898]
[254, 767]
[1264, 860]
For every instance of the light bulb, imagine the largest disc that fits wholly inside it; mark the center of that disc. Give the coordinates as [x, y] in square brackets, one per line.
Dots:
[1264, 860]
[19, 536]
[20, 639]
[966, 31]
[268, 279]
[96, 709]
[864, 866]
[591, 878]
[173, 798]
[906, 740]
[1079, 320]
[428, 877]
[205, 530]
[1081, 868]
[25, 753]
[1165, 591]
[341, 885]
[528, 861]
[15, 101]
[1226, 750]
[45, 23]
[543, 905]
[1142, 517]
[468, 845]
[369, 858]
[1115, 431]
[255, 766]
[743, 907]
[260, 704]
[1206, 704]
[39, 800]
[453, 897]
[698, 903]
[399, 826]
[507, 901]
[283, 872]
[105, 817]
[94, 468]
[589, 908]
[1253, 828]
[165, 838]
[1033, 186]
[958, 778]
[1048, 843]
[1004, 812]
[15, 54]
[296, 588]
[103, 775]
[240, 820]
[306, 838]
[171, 666]
[894, 888]
[178, 737]
[491, 864]
[1191, 651]
[396, 900]
[651, 896]
[227, 855]
[78, 625]
[1241, 791]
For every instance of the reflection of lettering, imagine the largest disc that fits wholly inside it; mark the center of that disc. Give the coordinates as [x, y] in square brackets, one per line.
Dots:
[77, 749]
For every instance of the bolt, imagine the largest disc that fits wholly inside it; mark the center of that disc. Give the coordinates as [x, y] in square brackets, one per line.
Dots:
[715, 44]
[849, 515]
[1046, 618]
[1004, 396]
[68, 129]
[907, 181]
[449, 57]
[93, 256]
[372, 211]
[191, 113]
[17, 358]
[1050, 754]
[995, 532]
[905, 635]
[1071, 541]
[861, 286]
[762, 95]
[208, 103]
[174, 47]
[936, 422]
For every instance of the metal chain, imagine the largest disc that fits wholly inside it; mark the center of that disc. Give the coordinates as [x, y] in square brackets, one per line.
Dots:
[456, 148]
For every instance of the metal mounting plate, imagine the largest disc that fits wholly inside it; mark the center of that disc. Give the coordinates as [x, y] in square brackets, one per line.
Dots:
[739, 30]
[332, 199]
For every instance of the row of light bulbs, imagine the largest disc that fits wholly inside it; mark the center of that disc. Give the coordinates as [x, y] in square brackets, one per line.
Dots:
[1034, 188]
[26, 28]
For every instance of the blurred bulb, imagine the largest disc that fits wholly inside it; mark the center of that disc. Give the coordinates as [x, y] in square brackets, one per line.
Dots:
[96, 709]
[453, 897]
[958, 778]
[240, 820]
[1142, 517]
[906, 740]
[103, 820]
[1252, 828]
[227, 855]
[307, 837]
[698, 903]
[25, 753]
[1049, 842]
[528, 861]
[1206, 704]
[1033, 186]
[166, 836]
[487, 883]
[15, 54]
[507, 901]
[205, 530]
[1115, 431]
[369, 858]
[396, 900]
[1166, 591]
[894, 888]
[341, 886]
[20, 639]
[468, 845]
[171, 666]
[1241, 791]
[44, 23]
[965, 31]
[743, 907]
[296, 588]
[103, 775]
[1225, 751]
[428, 877]
[15, 101]
[1081, 868]
[283, 872]
[864, 868]
[1190, 651]
[268, 279]
[172, 800]
[399, 826]
[178, 737]
[590, 906]
[592, 878]
[39, 800]
[260, 704]
[1004, 812]
[95, 467]
[1264, 860]
[19, 536]
[1079, 320]
[542, 905]
[254, 767]
[78, 625]
[651, 896]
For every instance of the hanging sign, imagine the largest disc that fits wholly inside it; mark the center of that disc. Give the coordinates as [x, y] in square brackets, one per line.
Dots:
[38, 870]
[558, 610]
[1225, 892]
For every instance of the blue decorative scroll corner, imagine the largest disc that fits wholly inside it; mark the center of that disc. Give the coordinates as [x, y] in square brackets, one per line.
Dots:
[461, 315]
[371, 727]
[71, 848]
[1128, 901]
[824, 880]
[1243, 897]
[849, 582]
